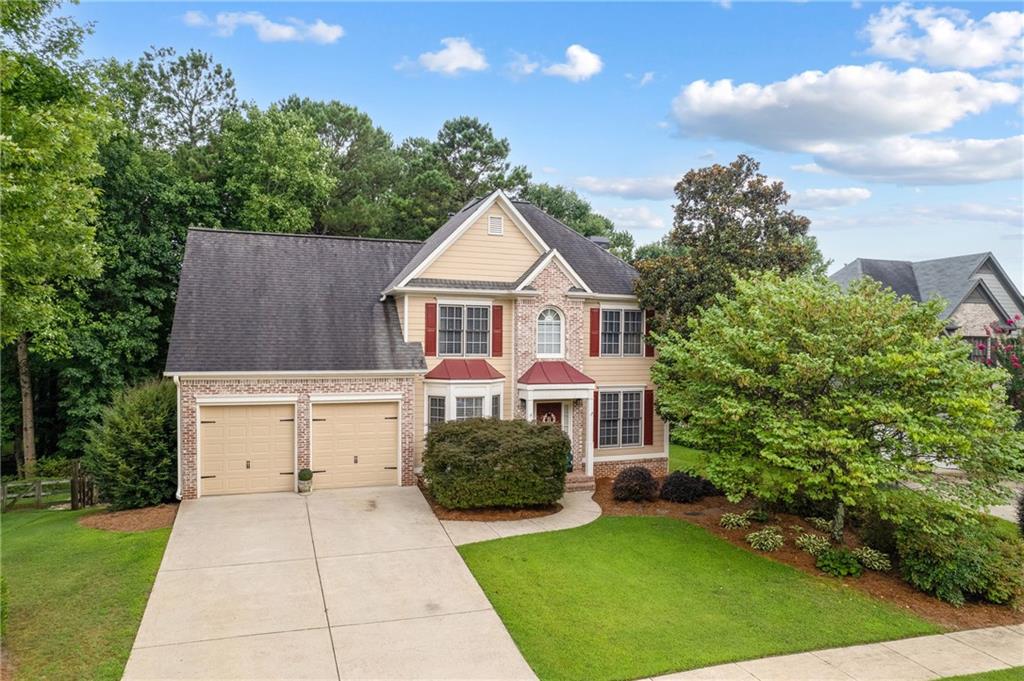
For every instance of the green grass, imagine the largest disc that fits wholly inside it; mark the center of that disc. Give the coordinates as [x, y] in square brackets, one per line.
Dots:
[626, 597]
[75, 595]
[682, 458]
[1010, 674]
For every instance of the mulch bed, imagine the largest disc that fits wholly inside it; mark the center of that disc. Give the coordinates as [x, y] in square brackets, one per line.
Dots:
[487, 514]
[886, 586]
[135, 520]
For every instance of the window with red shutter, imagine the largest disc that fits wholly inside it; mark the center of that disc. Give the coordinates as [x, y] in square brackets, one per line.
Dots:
[496, 322]
[430, 332]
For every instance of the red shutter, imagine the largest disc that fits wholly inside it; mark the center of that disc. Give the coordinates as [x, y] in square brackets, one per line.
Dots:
[496, 314]
[597, 415]
[430, 335]
[648, 418]
[595, 332]
[648, 347]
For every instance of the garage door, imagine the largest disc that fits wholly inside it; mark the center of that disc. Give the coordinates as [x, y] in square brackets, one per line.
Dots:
[245, 449]
[355, 445]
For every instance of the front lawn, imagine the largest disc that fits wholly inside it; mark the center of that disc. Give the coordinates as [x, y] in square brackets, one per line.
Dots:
[1009, 674]
[627, 597]
[687, 459]
[75, 595]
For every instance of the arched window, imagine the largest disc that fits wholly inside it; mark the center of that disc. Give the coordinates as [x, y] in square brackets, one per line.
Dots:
[549, 333]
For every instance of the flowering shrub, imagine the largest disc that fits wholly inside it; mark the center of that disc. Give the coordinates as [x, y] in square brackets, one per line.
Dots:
[1008, 352]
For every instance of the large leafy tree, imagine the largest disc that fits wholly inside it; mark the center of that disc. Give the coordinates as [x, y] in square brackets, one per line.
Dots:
[52, 124]
[802, 391]
[730, 220]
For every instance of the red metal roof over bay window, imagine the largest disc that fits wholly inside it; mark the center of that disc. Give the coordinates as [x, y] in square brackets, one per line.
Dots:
[464, 370]
[554, 373]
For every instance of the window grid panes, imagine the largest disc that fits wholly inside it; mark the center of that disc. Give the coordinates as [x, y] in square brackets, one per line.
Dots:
[449, 330]
[611, 330]
[496, 406]
[608, 422]
[468, 408]
[620, 419]
[477, 330]
[632, 332]
[436, 413]
[549, 333]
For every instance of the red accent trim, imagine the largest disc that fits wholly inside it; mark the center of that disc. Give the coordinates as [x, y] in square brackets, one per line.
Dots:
[430, 335]
[496, 321]
[554, 372]
[464, 370]
[597, 415]
[595, 332]
[648, 348]
[648, 418]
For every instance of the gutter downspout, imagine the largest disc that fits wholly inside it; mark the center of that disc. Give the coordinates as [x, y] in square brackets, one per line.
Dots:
[177, 406]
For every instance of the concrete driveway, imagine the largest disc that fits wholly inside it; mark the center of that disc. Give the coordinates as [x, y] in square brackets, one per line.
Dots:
[348, 584]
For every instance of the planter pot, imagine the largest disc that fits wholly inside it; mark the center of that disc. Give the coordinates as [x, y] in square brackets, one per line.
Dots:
[305, 486]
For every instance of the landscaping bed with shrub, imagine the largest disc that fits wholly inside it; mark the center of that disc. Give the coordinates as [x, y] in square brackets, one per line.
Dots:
[132, 520]
[707, 512]
[486, 514]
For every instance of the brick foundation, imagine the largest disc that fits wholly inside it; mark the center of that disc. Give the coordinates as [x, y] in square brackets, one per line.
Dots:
[609, 469]
[191, 388]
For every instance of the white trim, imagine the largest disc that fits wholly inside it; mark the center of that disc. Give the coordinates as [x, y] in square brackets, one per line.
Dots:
[556, 386]
[295, 374]
[630, 457]
[601, 296]
[553, 395]
[611, 305]
[462, 302]
[338, 398]
[405, 318]
[177, 415]
[485, 205]
[619, 391]
[459, 381]
[246, 399]
[539, 267]
[434, 290]
[451, 390]
[589, 434]
[561, 333]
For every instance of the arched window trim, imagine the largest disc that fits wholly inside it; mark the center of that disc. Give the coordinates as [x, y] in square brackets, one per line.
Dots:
[561, 334]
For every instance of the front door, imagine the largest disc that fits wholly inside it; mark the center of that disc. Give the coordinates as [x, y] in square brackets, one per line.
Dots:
[551, 412]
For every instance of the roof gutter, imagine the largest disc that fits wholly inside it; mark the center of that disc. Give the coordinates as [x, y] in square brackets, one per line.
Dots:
[312, 373]
[491, 292]
[177, 408]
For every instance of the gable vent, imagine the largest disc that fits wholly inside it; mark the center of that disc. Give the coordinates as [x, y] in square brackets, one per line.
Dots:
[495, 225]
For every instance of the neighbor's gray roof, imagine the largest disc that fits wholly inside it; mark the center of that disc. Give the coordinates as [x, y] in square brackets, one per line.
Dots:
[255, 301]
[951, 279]
[602, 271]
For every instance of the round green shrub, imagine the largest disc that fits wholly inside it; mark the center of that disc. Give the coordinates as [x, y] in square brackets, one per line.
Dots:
[766, 539]
[872, 559]
[634, 483]
[305, 475]
[131, 450]
[813, 544]
[839, 561]
[480, 463]
[682, 488]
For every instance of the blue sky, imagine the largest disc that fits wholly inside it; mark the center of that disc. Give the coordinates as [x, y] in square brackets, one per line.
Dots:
[897, 128]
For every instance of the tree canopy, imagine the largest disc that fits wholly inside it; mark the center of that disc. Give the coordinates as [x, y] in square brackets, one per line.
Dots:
[802, 391]
[730, 220]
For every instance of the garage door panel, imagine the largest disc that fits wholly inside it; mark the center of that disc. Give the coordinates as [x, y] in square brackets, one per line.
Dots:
[246, 448]
[355, 444]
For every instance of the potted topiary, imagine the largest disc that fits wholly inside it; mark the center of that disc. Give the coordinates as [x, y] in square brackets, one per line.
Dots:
[305, 481]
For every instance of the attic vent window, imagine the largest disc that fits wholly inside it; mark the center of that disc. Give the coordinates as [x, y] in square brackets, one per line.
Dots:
[495, 225]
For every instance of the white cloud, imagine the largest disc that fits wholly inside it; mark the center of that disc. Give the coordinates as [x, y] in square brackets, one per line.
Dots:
[635, 217]
[1008, 73]
[830, 198]
[908, 160]
[549, 170]
[724, 4]
[808, 168]
[975, 212]
[293, 30]
[458, 54]
[946, 36]
[580, 64]
[647, 78]
[846, 104]
[629, 187]
[521, 66]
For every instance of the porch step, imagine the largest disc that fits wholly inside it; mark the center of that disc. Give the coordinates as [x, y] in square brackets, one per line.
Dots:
[575, 482]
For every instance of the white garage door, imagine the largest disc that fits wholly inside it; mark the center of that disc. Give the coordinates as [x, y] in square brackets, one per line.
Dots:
[246, 448]
[355, 444]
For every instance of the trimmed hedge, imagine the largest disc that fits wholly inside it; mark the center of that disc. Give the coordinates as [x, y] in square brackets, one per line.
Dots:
[634, 484]
[131, 451]
[683, 488]
[480, 463]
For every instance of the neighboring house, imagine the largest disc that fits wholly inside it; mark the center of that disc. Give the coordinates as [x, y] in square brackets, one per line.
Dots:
[977, 291]
[337, 354]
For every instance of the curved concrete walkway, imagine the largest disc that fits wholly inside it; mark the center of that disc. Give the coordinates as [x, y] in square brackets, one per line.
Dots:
[578, 508]
[910, 659]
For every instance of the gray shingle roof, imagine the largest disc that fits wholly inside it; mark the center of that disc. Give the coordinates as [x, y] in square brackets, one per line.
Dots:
[254, 301]
[426, 282]
[951, 279]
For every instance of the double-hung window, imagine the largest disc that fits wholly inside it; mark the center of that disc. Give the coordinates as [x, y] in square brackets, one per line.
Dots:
[464, 330]
[468, 408]
[620, 416]
[622, 332]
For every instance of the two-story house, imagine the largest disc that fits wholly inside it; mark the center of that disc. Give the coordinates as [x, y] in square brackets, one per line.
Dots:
[337, 354]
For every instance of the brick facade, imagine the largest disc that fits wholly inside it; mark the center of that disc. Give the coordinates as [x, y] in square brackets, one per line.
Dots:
[191, 388]
[609, 469]
[973, 318]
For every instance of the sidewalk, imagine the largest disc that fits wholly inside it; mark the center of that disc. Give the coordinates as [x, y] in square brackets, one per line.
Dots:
[912, 659]
[578, 508]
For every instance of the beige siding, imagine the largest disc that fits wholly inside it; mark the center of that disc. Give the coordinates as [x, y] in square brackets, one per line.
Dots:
[609, 372]
[478, 256]
[416, 331]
